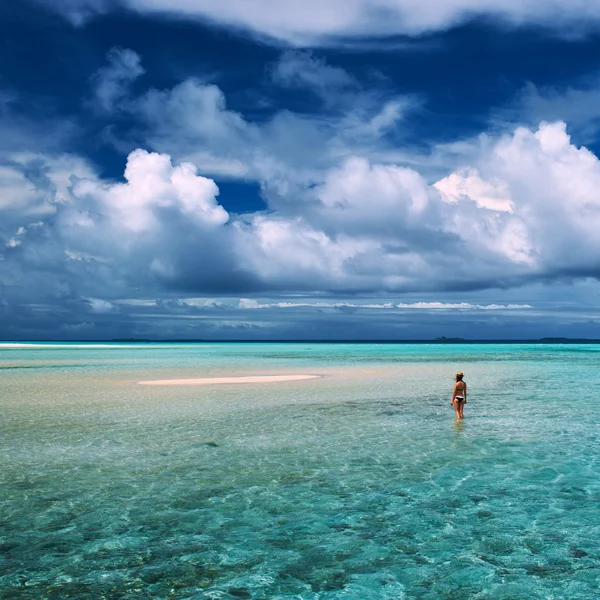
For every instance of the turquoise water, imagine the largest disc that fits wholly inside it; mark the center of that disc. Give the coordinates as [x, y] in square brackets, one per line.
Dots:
[357, 485]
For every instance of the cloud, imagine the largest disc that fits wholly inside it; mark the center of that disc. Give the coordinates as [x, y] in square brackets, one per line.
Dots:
[111, 83]
[314, 22]
[100, 306]
[525, 209]
[521, 207]
[577, 104]
[192, 122]
[550, 184]
[492, 194]
[463, 306]
[162, 228]
[32, 185]
[343, 217]
[364, 227]
[79, 12]
[303, 70]
[249, 303]
[154, 186]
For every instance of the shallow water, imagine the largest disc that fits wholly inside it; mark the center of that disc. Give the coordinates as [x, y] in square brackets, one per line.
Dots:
[357, 485]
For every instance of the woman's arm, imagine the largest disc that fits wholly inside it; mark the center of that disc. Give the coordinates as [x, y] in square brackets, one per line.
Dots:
[453, 395]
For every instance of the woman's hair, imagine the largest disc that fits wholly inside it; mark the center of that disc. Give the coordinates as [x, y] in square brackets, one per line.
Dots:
[459, 376]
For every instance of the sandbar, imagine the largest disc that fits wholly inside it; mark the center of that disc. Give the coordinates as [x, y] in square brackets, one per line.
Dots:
[222, 380]
[66, 346]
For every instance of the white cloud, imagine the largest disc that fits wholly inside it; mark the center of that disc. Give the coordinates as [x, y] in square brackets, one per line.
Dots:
[192, 122]
[527, 208]
[17, 192]
[111, 83]
[154, 186]
[100, 306]
[462, 306]
[493, 194]
[292, 253]
[363, 227]
[161, 227]
[31, 187]
[249, 303]
[304, 70]
[551, 184]
[315, 22]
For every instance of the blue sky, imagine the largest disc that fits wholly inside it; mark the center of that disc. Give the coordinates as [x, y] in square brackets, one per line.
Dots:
[357, 169]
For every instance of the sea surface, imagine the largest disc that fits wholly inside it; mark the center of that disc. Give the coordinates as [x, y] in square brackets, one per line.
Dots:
[357, 485]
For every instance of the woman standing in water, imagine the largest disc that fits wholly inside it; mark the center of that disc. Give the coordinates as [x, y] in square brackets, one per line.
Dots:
[459, 395]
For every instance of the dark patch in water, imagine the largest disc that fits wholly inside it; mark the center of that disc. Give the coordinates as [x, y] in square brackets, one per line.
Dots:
[336, 581]
[477, 499]
[7, 547]
[24, 485]
[554, 569]
[340, 526]
[241, 592]
[573, 490]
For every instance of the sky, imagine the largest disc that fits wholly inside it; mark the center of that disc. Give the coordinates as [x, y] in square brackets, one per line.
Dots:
[299, 170]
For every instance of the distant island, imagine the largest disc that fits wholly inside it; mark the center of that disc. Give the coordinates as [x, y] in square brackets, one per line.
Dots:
[447, 339]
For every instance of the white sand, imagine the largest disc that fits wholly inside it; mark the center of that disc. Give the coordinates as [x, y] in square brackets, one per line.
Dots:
[65, 346]
[220, 380]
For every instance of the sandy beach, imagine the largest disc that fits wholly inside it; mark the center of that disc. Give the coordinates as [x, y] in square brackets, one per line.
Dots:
[225, 380]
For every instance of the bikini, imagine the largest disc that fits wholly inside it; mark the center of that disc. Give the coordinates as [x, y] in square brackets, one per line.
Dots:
[460, 399]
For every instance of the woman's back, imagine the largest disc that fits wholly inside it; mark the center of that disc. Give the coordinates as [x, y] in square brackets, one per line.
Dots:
[459, 395]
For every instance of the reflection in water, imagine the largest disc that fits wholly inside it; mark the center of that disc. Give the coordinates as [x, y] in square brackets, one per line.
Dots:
[459, 427]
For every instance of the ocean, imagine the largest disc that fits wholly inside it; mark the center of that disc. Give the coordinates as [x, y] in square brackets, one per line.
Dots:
[358, 484]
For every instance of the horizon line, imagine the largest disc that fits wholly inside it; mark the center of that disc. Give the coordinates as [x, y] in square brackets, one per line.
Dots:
[442, 340]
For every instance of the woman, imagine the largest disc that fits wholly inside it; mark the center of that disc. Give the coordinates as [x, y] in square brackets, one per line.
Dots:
[459, 396]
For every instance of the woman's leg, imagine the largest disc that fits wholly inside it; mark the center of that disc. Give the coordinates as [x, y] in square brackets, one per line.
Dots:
[461, 408]
[457, 409]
